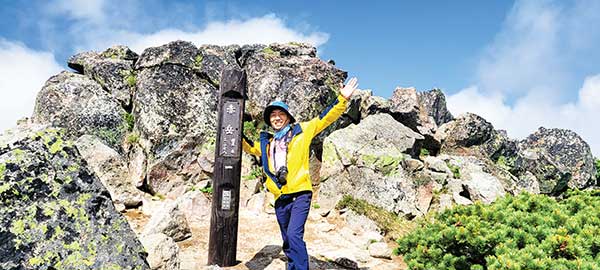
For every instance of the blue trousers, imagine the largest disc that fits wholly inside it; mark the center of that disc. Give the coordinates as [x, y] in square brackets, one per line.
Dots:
[292, 211]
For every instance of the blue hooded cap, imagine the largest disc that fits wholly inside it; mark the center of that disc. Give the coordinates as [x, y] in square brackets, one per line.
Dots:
[277, 105]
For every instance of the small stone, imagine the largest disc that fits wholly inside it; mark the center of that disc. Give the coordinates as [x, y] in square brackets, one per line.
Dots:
[380, 250]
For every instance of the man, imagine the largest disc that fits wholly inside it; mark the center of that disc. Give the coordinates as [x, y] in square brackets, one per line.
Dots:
[284, 157]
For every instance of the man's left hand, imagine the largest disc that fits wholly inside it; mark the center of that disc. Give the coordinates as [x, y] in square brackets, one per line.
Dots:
[348, 89]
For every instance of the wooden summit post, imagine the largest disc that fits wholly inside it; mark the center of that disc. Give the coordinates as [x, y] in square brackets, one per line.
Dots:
[222, 244]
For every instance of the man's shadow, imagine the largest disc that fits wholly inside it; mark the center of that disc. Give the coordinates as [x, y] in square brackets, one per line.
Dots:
[269, 253]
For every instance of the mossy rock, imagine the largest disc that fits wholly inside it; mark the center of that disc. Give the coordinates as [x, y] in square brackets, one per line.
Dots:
[56, 214]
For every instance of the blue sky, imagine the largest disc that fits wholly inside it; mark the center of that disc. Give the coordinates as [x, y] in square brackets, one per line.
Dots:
[519, 64]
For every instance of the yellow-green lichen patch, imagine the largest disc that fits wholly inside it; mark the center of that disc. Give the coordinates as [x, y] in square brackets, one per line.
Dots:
[36, 261]
[2, 169]
[4, 187]
[198, 61]
[387, 165]
[269, 52]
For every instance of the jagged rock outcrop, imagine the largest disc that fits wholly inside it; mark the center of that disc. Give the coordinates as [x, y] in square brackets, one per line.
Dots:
[434, 104]
[148, 121]
[80, 106]
[557, 158]
[112, 69]
[54, 212]
[466, 131]
[174, 109]
[159, 108]
[364, 161]
[422, 112]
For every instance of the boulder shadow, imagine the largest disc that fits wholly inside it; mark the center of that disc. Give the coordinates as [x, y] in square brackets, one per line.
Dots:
[269, 253]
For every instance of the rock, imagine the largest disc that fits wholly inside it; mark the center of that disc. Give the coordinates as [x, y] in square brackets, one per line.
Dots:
[363, 104]
[55, 210]
[163, 252]
[436, 165]
[359, 223]
[291, 73]
[558, 158]
[171, 221]
[111, 168]
[482, 186]
[256, 203]
[212, 60]
[434, 103]
[346, 263]
[195, 206]
[373, 236]
[412, 165]
[465, 131]
[364, 161]
[175, 114]
[80, 105]
[112, 69]
[417, 111]
[460, 193]
[499, 146]
[405, 106]
[380, 250]
[182, 53]
[137, 166]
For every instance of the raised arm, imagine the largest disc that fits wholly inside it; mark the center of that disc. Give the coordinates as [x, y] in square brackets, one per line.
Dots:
[334, 110]
[250, 147]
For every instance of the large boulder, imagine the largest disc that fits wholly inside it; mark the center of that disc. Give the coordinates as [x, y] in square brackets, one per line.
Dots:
[163, 252]
[80, 106]
[422, 112]
[465, 131]
[112, 69]
[175, 114]
[558, 159]
[292, 73]
[364, 161]
[406, 108]
[112, 170]
[434, 104]
[54, 212]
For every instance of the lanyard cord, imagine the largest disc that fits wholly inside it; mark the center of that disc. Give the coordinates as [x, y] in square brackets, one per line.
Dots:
[287, 139]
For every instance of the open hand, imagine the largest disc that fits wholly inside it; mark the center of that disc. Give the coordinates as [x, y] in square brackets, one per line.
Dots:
[348, 89]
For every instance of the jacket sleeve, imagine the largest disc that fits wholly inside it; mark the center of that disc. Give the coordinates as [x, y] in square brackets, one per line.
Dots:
[329, 115]
[250, 147]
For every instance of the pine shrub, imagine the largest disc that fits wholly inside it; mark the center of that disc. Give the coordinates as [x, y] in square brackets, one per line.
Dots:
[522, 232]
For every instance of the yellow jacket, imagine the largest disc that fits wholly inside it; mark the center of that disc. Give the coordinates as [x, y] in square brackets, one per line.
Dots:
[298, 177]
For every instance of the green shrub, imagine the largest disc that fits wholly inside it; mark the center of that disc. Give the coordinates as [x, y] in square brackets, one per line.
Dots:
[133, 138]
[455, 170]
[252, 130]
[129, 120]
[255, 173]
[208, 190]
[506, 163]
[522, 232]
[424, 152]
[598, 169]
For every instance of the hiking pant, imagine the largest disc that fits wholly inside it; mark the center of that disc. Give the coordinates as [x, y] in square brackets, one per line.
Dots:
[292, 212]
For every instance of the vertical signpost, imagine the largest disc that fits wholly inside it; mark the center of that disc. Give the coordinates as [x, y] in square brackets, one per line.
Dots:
[222, 244]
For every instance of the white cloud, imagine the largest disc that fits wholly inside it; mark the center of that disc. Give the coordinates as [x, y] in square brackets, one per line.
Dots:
[529, 75]
[532, 111]
[24, 72]
[90, 10]
[266, 29]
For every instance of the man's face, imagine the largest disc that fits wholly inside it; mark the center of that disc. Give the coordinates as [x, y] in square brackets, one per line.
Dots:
[279, 119]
